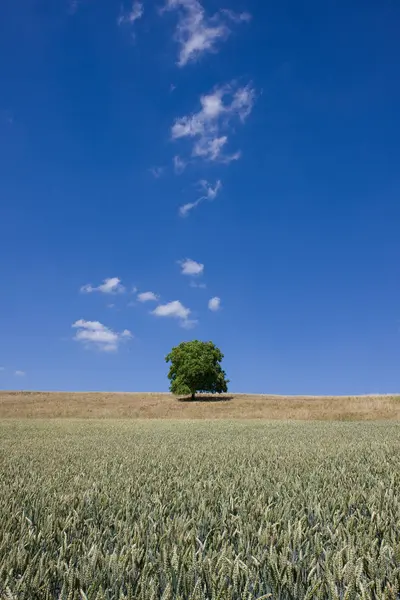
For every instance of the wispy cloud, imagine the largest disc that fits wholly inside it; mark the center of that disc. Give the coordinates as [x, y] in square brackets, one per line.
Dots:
[175, 310]
[191, 267]
[197, 284]
[94, 334]
[210, 193]
[157, 171]
[132, 15]
[206, 127]
[179, 165]
[147, 297]
[185, 209]
[214, 304]
[112, 285]
[19, 373]
[243, 17]
[196, 33]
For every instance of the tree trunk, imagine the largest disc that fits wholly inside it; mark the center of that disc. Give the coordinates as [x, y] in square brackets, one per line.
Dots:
[193, 395]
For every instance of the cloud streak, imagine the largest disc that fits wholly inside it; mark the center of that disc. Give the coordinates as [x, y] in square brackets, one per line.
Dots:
[157, 172]
[129, 17]
[210, 193]
[198, 34]
[208, 127]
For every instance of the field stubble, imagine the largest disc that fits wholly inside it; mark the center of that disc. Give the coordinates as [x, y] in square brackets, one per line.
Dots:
[165, 406]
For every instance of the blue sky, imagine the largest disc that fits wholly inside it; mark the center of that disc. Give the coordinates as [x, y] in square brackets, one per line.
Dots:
[238, 160]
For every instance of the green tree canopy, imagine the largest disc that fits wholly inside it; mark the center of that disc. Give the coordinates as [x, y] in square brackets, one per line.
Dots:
[196, 367]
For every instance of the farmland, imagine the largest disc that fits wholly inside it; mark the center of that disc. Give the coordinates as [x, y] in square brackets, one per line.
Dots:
[183, 509]
[20, 404]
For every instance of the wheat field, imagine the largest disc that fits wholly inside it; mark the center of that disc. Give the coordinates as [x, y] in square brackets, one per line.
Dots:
[199, 510]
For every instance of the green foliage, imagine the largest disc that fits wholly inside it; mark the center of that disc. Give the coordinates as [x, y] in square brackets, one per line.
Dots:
[151, 510]
[196, 367]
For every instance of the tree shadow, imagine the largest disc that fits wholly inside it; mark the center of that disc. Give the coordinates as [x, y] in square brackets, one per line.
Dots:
[206, 398]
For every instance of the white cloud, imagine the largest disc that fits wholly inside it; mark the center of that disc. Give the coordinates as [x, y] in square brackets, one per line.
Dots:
[126, 334]
[179, 165]
[186, 208]
[157, 171]
[147, 297]
[209, 148]
[128, 18]
[191, 267]
[172, 309]
[218, 109]
[196, 33]
[19, 373]
[210, 193]
[94, 334]
[214, 304]
[112, 285]
[175, 310]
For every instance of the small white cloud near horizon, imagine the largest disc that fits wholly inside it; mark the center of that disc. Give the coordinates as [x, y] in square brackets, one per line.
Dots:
[112, 285]
[93, 334]
[191, 267]
[19, 373]
[129, 17]
[214, 304]
[175, 310]
[206, 127]
[196, 33]
[147, 297]
[210, 193]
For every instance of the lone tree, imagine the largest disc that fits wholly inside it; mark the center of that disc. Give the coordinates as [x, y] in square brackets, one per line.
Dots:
[195, 367]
